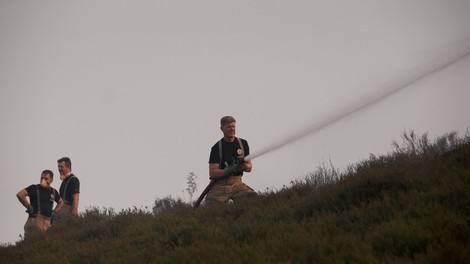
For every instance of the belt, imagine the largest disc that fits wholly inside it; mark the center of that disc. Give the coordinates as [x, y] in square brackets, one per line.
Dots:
[38, 216]
[233, 179]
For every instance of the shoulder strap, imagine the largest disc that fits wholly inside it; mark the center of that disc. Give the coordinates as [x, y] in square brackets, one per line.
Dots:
[65, 189]
[38, 198]
[220, 153]
[241, 145]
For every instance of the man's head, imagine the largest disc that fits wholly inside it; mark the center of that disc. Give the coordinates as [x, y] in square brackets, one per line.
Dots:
[227, 125]
[47, 177]
[64, 165]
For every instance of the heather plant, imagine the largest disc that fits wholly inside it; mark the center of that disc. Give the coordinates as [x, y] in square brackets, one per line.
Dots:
[324, 175]
[168, 203]
[413, 144]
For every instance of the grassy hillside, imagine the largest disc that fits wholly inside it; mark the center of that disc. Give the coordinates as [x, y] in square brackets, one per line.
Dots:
[409, 206]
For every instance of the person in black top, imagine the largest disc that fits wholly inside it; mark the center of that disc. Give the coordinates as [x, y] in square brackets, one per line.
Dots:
[225, 155]
[39, 208]
[69, 189]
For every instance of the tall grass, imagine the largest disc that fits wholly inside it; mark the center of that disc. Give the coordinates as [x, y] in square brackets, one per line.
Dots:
[409, 206]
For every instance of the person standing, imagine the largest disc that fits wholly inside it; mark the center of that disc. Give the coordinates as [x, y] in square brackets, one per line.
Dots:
[41, 201]
[70, 187]
[227, 165]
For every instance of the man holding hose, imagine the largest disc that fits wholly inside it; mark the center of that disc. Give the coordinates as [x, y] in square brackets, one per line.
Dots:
[227, 164]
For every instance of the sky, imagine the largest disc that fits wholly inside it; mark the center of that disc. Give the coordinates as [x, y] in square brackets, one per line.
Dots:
[133, 91]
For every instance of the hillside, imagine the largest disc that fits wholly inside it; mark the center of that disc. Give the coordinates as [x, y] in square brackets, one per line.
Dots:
[409, 206]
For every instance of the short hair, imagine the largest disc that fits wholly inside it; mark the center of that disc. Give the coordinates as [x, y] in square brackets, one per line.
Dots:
[48, 172]
[67, 161]
[226, 120]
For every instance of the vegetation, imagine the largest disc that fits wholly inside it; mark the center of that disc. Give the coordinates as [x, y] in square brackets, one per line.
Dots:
[409, 206]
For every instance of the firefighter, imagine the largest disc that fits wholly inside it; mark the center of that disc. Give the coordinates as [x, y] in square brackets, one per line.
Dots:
[227, 165]
[39, 207]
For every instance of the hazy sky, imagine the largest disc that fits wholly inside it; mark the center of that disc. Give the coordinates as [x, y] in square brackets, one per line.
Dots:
[133, 91]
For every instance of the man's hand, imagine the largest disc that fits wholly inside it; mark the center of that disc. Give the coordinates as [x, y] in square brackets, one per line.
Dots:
[29, 209]
[53, 217]
[240, 169]
[236, 169]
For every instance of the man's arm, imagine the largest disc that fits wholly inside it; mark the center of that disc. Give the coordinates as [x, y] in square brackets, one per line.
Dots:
[21, 195]
[214, 171]
[59, 205]
[247, 166]
[76, 198]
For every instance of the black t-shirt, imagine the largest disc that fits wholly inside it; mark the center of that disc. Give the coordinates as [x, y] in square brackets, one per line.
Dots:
[47, 196]
[73, 187]
[231, 152]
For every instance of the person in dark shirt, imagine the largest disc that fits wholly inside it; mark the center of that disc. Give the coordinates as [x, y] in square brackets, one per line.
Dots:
[69, 189]
[39, 207]
[225, 155]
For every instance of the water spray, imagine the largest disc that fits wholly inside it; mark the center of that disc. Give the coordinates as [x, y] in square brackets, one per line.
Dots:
[370, 100]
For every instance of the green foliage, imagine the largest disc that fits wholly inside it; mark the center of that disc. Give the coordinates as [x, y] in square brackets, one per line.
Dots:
[410, 206]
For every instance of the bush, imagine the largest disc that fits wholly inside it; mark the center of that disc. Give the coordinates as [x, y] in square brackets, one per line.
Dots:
[410, 206]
